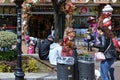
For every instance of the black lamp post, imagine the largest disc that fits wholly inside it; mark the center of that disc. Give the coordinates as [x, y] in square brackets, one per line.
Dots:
[19, 74]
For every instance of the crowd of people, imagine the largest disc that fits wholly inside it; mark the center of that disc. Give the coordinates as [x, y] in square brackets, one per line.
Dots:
[99, 35]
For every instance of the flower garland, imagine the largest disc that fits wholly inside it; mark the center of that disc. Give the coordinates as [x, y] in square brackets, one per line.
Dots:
[26, 14]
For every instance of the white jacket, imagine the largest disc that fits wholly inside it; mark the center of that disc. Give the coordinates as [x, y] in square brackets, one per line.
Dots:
[55, 51]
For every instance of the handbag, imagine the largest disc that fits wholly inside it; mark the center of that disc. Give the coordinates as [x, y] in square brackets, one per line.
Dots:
[99, 56]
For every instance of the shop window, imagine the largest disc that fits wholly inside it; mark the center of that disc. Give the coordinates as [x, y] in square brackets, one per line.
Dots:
[81, 14]
[40, 25]
[9, 21]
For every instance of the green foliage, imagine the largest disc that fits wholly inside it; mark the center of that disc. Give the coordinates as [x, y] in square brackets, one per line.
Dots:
[31, 66]
[8, 55]
[7, 38]
[6, 67]
[2, 67]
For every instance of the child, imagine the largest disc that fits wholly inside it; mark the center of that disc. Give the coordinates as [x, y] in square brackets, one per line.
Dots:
[31, 48]
[27, 39]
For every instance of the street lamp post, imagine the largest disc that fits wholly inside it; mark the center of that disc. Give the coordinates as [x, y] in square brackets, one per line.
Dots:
[19, 74]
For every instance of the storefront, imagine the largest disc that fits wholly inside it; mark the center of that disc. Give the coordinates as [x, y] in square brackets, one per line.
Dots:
[8, 16]
[41, 20]
[86, 8]
[41, 16]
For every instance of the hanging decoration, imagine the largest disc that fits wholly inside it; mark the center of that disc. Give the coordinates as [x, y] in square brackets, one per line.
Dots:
[69, 8]
[106, 16]
[26, 14]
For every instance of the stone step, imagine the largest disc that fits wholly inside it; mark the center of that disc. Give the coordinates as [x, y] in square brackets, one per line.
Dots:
[30, 76]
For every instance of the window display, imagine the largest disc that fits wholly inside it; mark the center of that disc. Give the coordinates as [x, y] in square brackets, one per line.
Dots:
[81, 14]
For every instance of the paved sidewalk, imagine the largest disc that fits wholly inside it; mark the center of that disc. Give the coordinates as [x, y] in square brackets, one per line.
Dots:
[53, 76]
[30, 76]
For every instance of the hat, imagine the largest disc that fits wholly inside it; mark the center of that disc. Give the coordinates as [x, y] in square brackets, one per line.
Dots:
[107, 8]
[50, 36]
[91, 18]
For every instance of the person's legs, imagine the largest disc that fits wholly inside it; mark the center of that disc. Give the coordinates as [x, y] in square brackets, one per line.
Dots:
[105, 66]
[111, 71]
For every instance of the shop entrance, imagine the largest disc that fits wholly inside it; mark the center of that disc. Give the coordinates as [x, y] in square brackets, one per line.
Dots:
[40, 25]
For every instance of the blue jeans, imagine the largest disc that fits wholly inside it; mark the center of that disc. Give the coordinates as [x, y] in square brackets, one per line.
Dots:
[105, 67]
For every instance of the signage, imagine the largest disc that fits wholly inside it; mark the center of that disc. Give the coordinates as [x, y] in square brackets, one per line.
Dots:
[101, 1]
[2, 1]
[42, 9]
[114, 1]
[80, 1]
[29, 1]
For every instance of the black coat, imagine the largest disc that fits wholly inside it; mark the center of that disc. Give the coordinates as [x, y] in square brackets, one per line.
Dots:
[44, 49]
[104, 43]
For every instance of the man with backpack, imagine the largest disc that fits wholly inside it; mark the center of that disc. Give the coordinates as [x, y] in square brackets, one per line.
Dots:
[44, 48]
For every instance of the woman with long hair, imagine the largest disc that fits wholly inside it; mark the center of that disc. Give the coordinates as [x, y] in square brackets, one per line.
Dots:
[105, 38]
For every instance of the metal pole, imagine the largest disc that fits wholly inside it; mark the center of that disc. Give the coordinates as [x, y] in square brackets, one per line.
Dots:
[76, 63]
[19, 74]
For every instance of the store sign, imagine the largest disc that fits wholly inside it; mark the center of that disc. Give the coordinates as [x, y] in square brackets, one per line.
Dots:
[114, 1]
[2, 1]
[102, 1]
[80, 1]
[30, 1]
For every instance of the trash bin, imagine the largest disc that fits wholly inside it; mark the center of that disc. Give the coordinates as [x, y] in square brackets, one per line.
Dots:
[65, 68]
[86, 68]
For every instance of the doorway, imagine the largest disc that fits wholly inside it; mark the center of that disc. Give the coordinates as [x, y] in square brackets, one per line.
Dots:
[40, 25]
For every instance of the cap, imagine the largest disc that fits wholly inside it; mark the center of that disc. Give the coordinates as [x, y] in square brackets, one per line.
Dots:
[91, 18]
[50, 36]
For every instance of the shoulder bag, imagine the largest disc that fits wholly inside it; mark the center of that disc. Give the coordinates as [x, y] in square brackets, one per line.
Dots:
[99, 56]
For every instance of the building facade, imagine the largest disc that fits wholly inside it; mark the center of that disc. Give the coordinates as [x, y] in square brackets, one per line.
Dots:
[38, 16]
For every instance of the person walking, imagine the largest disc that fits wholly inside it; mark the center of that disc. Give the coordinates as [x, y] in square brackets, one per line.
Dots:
[105, 38]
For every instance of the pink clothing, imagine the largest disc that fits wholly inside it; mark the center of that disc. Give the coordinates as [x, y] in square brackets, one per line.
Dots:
[27, 38]
[31, 49]
[66, 52]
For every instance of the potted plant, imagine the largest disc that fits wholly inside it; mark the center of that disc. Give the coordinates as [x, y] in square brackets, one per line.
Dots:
[7, 39]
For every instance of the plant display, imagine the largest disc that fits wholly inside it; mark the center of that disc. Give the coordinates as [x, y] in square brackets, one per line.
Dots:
[7, 38]
[8, 55]
[29, 65]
